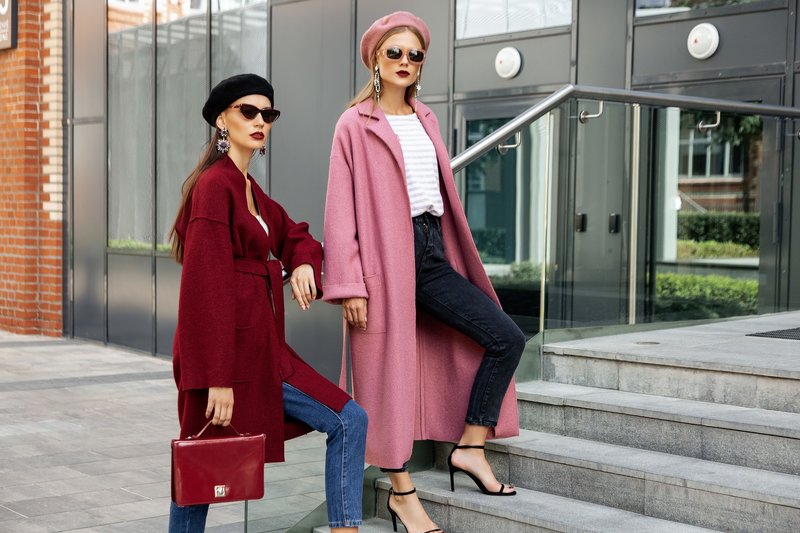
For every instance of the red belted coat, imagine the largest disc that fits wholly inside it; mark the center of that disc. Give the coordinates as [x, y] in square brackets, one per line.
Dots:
[231, 312]
[412, 374]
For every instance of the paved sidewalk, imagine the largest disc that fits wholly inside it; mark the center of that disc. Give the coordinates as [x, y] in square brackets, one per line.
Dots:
[84, 445]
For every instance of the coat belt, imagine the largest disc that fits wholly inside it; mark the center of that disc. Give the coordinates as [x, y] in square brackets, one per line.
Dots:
[272, 272]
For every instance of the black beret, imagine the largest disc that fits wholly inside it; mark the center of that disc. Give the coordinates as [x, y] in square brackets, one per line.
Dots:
[231, 89]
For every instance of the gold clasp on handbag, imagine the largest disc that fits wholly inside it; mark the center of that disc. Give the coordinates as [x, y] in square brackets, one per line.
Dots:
[220, 491]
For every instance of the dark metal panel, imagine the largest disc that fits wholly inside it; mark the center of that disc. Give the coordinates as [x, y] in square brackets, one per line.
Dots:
[545, 60]
[440, 110]
[435, 14]
[89, 232]
[746, 40]
[168, 282]
[89, 58]
[130, 303]
[766, 91]
[310, 99]
[602, 38]
[793, 267]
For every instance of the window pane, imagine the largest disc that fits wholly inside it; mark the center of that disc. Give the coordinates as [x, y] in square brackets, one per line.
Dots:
[182, 88]
[130, 124]
[478, 18]
[707, 222]
[646, 8]
[239, 37]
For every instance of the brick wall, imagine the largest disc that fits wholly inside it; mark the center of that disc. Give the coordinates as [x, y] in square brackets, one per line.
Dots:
[31, 175]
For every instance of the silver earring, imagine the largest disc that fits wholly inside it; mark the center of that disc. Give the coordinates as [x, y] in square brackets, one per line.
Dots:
[376, 82]
[263, 150]
[417, 86]
[223, 144]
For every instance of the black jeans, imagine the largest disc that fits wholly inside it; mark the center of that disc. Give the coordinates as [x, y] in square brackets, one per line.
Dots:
[448, 296]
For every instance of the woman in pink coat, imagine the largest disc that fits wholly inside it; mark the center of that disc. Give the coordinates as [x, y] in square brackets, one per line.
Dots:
[433, 355]
[230, 343]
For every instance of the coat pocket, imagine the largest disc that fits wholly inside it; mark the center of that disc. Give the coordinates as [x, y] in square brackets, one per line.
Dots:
[376, 305]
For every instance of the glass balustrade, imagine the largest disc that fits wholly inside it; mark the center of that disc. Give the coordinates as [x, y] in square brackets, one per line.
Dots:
[609, 215]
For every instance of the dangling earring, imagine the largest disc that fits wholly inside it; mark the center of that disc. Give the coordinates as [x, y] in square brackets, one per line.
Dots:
[263, 150]
[223, 145]
[417, 86]
[376, 82]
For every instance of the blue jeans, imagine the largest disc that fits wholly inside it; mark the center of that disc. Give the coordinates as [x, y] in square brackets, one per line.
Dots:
[344, 461]
[448, 296]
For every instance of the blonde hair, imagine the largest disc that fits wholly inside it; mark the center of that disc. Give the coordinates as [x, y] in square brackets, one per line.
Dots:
[368, 91]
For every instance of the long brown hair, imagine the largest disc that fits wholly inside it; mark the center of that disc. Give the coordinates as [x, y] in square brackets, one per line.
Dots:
[209, 156]
[368, 91]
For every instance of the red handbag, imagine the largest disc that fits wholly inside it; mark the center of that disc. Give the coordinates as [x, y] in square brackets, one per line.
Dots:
[216, 470]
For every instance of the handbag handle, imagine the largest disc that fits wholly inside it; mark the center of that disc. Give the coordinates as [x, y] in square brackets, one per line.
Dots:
[206, 427]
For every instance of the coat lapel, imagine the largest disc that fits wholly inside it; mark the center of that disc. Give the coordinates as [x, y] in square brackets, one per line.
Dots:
[379, 127]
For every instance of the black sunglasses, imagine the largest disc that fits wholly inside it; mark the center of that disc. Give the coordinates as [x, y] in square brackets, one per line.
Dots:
[395, 53]
[250, 111]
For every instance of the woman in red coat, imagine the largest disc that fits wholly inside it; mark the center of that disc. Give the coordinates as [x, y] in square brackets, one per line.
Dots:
[230, 342]
[433, 354]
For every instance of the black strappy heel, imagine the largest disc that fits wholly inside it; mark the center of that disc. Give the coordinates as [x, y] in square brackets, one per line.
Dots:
[478, 482]
[394, 514]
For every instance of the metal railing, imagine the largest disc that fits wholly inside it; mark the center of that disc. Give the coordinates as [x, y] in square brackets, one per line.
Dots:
[570, 91]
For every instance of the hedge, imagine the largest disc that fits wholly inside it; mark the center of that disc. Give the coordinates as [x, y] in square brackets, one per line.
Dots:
[741, 228]
[689, 296]
[713, 250]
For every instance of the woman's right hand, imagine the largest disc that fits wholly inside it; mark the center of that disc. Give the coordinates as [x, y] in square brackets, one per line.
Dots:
[354, 310]
[220, 404]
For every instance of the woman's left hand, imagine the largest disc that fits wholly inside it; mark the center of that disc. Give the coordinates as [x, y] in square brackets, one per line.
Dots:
[304, 288]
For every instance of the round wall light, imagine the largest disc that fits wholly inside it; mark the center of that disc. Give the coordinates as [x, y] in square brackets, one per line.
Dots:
[703, 41]
[507, 62]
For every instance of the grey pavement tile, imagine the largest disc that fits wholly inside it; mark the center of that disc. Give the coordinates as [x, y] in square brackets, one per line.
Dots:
[160, 489]
[33, 474]
[274, 523]
[136, 450]
[278, 506]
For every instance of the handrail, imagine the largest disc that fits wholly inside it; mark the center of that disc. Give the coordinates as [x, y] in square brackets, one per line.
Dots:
[610, 95]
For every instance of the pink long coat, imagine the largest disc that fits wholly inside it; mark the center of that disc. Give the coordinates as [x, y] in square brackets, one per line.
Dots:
[411, 373]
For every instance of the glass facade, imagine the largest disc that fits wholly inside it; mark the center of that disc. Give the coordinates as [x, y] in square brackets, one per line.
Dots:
[163, 58]
[479, 18]
[131, 119]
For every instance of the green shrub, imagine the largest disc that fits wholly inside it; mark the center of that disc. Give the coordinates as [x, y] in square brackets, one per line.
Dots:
[521, 274]
[491, 244]
[713, 249]
[741, 228]
[129, 244]
[689, 296]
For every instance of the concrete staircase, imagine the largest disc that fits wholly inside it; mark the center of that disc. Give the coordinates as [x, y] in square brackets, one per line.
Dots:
[672, 430]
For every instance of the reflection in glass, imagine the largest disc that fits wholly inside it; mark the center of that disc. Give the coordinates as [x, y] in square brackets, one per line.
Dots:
[707, 221]
[239, 44]
[130, 124]
[646, 8]
[182, 87]
[478, 18]
[504, 203]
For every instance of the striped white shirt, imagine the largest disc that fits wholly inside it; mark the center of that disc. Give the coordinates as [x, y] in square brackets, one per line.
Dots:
[422, 167]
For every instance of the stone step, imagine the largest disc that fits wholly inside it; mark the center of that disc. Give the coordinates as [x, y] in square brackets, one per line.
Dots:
[746, 436]
[711, 363]
[468, 511]
[681, 489]
[373, 525]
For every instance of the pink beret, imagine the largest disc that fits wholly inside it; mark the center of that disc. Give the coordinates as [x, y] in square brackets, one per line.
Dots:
[369, 41]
